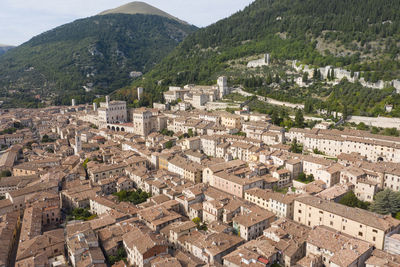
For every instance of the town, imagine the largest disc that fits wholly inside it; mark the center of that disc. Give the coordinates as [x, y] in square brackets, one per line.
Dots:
[187, 183]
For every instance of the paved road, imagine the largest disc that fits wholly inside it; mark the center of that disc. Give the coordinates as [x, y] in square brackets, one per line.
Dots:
[377, 122]
[268, 100]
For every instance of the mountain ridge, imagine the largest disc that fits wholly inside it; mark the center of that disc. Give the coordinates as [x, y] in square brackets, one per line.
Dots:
[362, 37]
[357, 36]
[139, 7]
[85, 58]
[4, 48]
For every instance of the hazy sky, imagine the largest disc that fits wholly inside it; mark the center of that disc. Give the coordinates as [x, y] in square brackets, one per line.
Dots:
[20, 20]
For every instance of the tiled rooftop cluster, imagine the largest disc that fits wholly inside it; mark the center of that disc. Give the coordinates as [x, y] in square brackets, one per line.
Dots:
[222, 188]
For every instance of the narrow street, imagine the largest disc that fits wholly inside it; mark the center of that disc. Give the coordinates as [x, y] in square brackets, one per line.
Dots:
[14, 250]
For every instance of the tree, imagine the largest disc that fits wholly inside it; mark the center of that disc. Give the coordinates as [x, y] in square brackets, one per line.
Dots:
[296, 147]
[302, 177]
[135, 197]
[190, 132]
[305, 178]
[277, 78]
[332, 74]
[8, 131]
[391, 132]
[345, 112]
[200, 226]
[375, 130]
[46, 139]
[305, 77]
[269, 79]
[350, 200]
[275, 117]
[5, 173]
[84, 164]
[196, 220]
[299, 119]
[317, 151]
[81, 214]
[308, 106]
[318, 75]
[283, 113]
[362, 126]
[386, 201]
[120, 255]
[165, 131]
[169, 144]
[287, 123]
[17, 125]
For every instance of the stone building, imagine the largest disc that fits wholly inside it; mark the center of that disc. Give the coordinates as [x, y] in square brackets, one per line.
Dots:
[371, 227]
[111, 112]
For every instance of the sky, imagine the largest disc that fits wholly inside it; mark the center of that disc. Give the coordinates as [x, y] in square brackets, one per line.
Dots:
[20, 20]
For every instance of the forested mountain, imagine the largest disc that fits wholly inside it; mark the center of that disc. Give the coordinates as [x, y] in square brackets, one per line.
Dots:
[98, 53]
[364, 35]
[5, 48]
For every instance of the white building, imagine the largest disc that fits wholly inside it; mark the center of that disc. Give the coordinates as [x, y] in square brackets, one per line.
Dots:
[78, 144]
[222, 86]
[139, 92]
[111, 112]
[260, 62]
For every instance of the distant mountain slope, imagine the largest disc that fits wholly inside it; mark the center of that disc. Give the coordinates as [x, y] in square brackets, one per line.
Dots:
[366, 31]
[5, 48]
[98, 52]
[140, 8]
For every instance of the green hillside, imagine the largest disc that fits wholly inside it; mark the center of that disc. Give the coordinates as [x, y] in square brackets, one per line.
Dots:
[98, 52]
[358, 35]
[5, 48]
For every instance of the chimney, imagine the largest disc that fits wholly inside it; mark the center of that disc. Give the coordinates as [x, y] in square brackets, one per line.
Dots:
[107, 99]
